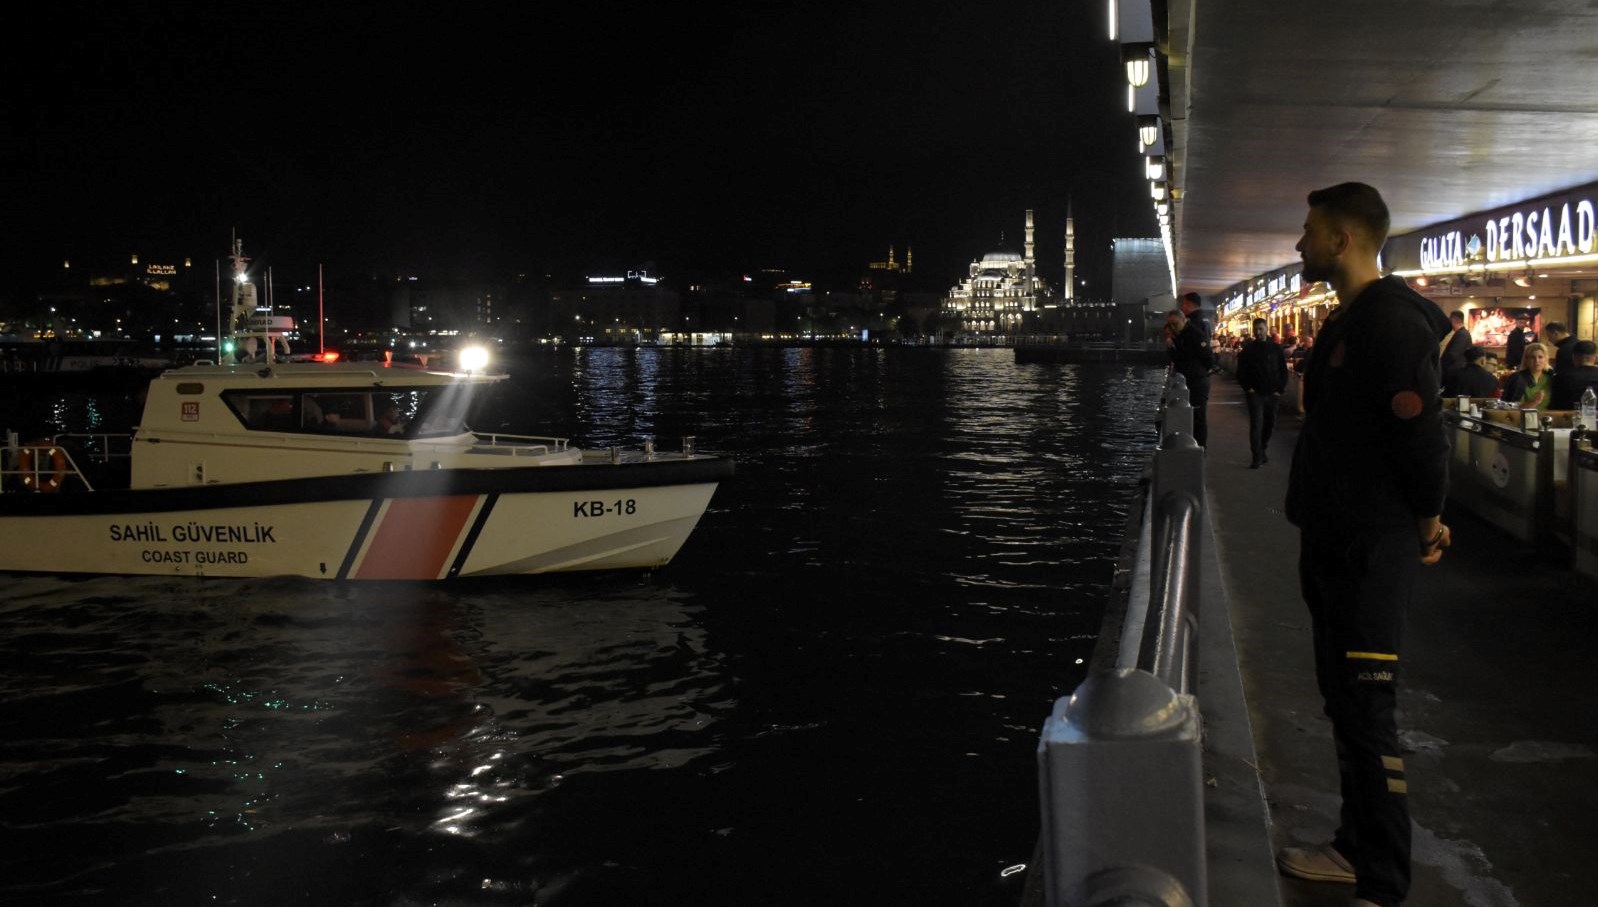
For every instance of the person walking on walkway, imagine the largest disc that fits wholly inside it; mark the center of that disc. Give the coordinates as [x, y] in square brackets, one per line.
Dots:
[1193, 355]
[1366, 490]
[1262, 373]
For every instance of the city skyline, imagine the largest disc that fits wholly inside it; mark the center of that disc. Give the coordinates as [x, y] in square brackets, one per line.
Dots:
[495, 141]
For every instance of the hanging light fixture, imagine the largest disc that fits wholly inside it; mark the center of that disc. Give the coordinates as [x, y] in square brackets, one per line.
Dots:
[1148, 129]
[1162, 208]
[1139, 64]
[1157, 189]
[1154, 168]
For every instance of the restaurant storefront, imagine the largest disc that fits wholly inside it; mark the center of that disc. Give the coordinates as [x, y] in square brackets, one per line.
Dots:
[1538, 257]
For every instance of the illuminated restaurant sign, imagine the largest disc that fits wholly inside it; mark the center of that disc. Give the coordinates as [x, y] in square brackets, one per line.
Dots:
[1560, 226]
[161, 270]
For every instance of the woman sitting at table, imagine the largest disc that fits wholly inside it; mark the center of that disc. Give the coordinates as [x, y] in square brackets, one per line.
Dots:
[1532, 386]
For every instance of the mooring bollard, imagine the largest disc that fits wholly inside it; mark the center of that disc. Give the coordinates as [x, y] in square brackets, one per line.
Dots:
[1122, 783]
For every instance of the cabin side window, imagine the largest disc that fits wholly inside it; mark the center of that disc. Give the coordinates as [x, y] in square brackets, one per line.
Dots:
[443, 411]
[337, 412]
[387, 414]
[263, 411]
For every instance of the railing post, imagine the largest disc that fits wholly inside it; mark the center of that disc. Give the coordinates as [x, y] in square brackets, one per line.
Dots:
[1542, 504]
[1122, 792]
[1179, 464]
[1176, 411]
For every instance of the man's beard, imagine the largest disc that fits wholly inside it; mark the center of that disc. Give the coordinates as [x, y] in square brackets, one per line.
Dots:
[1315, 273]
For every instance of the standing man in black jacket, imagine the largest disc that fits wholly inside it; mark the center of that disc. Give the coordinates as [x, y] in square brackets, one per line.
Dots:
[1262, 373]
[1564, 346]
[1193, 355]
[1454, 348]
[1515, 343]
[1369, 476]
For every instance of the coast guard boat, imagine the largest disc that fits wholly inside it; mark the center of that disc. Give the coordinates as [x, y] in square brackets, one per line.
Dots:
[254, 466]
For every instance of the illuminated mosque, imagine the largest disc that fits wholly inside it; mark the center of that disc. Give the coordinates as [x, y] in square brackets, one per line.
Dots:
[1002, 288]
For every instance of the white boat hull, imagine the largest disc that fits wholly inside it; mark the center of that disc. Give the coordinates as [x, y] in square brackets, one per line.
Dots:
[408, 526]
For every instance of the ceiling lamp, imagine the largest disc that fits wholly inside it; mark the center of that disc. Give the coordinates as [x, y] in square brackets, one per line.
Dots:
[1157, 189]
[1154, 168]
[1524, 280]
[1148, 129]
[1422, 281]
[1139, 64]
[1162, 208]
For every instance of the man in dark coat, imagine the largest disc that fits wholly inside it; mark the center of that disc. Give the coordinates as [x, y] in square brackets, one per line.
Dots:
[1454, 349]
[1515, 343]
[1559, 337]
[1569, 382]
[1472, 380]
[1366, 490]
[1262, 373]
[1193, 355]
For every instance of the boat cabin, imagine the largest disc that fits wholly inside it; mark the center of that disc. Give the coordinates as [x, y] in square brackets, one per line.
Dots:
[224, 424]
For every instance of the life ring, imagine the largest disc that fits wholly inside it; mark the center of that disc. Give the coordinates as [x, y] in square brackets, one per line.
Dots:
[48, 481]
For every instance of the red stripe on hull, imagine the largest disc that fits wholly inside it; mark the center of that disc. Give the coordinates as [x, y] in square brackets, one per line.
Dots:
[415, 537]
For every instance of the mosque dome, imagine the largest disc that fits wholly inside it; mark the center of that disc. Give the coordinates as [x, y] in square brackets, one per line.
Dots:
[1000, 258]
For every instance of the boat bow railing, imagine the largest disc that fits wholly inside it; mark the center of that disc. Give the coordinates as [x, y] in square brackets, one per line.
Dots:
[518, 445]
[52, 464]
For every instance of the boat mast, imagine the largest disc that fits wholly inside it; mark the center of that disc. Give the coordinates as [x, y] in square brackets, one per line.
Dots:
[243, 300]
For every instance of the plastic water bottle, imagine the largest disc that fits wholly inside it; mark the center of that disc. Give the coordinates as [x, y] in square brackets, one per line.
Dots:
[1589, 409]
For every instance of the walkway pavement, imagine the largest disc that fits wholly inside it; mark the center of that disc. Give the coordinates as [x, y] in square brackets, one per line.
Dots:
[1498, 704]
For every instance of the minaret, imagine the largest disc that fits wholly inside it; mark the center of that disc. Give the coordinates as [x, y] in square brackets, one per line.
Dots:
[892, 265]
[1030, 261]
[1070, 254]
[909, 258]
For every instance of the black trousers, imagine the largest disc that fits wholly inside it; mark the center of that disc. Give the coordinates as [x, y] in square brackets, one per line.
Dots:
[1198, 394]
[1358, 587]
[1261, 421]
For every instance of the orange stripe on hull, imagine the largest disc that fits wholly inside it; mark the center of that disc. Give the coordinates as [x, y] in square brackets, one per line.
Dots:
[415, 537]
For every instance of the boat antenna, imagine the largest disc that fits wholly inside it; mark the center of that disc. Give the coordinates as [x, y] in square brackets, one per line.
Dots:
[218, 264]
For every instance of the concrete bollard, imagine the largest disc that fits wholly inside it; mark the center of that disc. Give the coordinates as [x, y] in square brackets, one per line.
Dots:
[1122, 785]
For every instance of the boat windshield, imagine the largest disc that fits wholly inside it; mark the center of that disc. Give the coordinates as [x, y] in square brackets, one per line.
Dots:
[433, 412]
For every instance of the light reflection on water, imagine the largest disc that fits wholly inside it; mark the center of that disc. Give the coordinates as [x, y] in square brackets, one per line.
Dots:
[845, 669]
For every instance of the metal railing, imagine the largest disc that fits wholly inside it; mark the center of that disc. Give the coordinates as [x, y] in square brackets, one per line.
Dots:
[1120, 764]
[46, 465]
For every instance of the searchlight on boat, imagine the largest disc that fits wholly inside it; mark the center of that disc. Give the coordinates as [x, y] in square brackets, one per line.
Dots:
[473, 358]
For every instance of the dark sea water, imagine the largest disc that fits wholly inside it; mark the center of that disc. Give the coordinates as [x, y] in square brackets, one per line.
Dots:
[832, 696]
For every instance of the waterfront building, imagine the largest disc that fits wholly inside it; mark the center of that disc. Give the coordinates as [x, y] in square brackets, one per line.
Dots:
[437, 307]
[616, 309]
[1003, 287]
